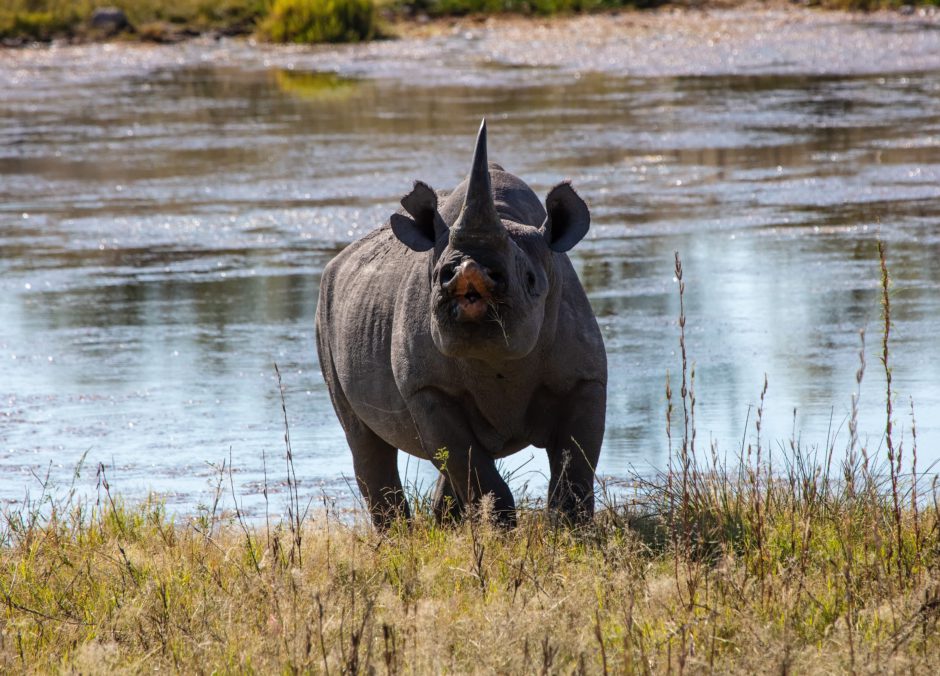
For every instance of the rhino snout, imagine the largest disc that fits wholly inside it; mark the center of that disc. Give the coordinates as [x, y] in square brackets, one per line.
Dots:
[471, 290]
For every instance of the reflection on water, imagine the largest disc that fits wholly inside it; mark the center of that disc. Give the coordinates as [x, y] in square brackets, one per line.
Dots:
[317, 87]
[162, 235]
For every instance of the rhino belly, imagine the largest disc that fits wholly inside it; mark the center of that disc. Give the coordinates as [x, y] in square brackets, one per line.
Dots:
[393, 424]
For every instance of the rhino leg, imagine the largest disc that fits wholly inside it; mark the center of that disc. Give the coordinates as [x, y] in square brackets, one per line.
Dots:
[376, 465]
[573, 453]
[468, 467]
[472, 474]
[447, 506]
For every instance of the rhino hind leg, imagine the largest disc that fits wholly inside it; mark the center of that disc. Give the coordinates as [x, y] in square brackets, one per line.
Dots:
[447, 505]
[376, 465]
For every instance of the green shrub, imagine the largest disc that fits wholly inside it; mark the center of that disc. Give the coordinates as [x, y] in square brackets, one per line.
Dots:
[309, 21]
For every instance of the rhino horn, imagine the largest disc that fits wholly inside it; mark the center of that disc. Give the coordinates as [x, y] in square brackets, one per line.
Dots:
[479, 222]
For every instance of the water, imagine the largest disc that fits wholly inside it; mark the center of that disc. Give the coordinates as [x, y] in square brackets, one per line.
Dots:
[165, 213]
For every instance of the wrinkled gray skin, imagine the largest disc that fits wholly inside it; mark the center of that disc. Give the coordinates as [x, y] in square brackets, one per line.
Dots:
[462, 325]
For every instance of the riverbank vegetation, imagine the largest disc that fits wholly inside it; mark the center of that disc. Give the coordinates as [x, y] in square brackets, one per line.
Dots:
[784, 558]
[744, 575]
[302, 21]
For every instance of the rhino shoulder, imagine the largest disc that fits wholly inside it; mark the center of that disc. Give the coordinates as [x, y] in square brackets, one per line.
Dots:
[362, 283]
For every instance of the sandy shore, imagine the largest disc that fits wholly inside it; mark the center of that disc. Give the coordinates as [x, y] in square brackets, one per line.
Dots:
[748, 39]
[718, 39]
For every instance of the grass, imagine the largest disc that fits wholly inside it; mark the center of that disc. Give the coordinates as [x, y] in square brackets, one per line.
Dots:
[780, 562]
[305, 21]
[277, 20]
[48, 19]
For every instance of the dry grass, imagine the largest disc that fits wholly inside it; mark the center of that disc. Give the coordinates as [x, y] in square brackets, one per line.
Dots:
[766, 582]
[812, 565]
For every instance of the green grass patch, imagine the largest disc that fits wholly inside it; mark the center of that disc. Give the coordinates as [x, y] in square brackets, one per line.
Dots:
[40, 20]
[305, 21]
[70, 19]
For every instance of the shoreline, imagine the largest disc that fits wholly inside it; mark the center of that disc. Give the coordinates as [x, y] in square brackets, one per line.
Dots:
[639, 19]
[395, 25]
[747, 39]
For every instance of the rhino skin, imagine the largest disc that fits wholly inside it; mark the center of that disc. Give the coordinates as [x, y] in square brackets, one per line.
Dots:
[459, 332]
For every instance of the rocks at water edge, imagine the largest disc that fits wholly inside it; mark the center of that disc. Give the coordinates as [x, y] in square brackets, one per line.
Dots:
[109, 21]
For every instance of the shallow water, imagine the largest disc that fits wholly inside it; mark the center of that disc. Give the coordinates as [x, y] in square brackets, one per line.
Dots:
[165, 214]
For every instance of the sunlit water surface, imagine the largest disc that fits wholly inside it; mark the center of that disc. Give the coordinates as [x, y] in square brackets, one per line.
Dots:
[165, 214]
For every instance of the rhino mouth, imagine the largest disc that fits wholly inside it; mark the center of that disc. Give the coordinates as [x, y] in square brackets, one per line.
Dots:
[470, 293]
[471, 306]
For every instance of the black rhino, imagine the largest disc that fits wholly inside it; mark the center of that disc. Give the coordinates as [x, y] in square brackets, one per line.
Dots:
[459, 332]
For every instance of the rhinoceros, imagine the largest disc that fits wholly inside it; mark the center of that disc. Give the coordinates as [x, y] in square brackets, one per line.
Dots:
[459, 332]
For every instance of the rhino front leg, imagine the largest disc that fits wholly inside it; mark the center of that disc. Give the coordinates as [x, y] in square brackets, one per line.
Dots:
[472, 474]
[464, 462]
[574, 450]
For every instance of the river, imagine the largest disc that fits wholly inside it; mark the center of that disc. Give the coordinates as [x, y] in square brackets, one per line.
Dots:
[166, 211]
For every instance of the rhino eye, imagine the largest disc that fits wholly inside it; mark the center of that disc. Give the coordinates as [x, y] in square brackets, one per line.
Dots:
[446, 274]
[530, 280]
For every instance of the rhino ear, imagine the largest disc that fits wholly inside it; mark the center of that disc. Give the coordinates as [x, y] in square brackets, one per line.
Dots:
[420, 228]
[568, 218]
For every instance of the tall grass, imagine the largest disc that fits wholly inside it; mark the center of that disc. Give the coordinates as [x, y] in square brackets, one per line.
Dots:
[784, 561]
